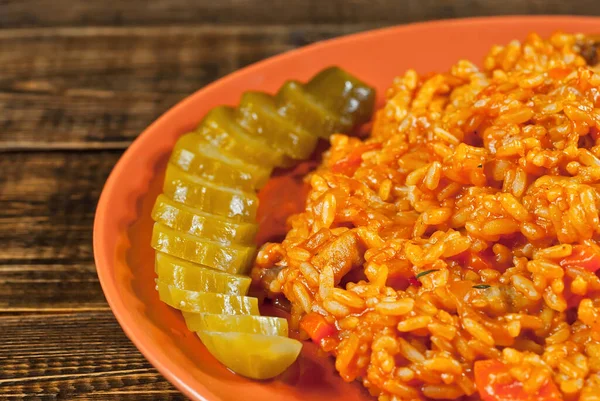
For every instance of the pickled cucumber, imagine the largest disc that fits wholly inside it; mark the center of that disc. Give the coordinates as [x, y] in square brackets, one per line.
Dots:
[195, 155]
[209, 197]
[234, 259]
[267, 325]
[189, 276]
[206, 302]
[343, 93]
[223, 132]
[300, 107]
[258, 114]
[252, 355]
[211, 227]
[205, 220]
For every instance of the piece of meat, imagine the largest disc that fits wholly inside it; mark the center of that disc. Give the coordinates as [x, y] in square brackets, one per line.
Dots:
[342, 254]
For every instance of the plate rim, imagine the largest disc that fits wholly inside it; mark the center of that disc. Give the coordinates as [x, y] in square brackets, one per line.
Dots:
[102, 254]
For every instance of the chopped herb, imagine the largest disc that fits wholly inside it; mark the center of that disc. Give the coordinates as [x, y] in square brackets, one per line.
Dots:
[426, 272]
[482, 286]
[480, 166]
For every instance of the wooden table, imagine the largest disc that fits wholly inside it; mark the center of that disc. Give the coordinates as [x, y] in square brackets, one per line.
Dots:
[79, 80]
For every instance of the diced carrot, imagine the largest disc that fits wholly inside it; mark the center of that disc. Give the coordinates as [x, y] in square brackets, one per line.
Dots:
[317, 327]
[414, 282]
[583, 256]
[475, 261]
[479, 262]
[494, 383]
[348, 165]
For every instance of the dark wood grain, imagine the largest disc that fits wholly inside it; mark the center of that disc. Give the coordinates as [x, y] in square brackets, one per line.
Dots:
[46, 213]
[60, 356]
[60, 88]
[47, 204]
[79, 80]
[26, 13]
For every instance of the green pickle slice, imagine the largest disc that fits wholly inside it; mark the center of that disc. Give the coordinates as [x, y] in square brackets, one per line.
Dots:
[300, 107]
[211, 227]
[343, 93]
[205, 220]
[267, 325]
[223, 132]
[192, 277]
[258, 114]
[206, 302]
[234, 259]
[209, 197]
[196, 156]
[252, 355]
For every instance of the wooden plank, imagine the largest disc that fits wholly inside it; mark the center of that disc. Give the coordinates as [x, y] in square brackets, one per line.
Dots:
[32, 13]
[50, 287]
[152, 394]
[73, 88]
[74, 356]
[47, 203]
[63, 121]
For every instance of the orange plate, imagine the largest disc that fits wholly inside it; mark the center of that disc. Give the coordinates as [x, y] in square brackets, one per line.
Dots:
[122, 227]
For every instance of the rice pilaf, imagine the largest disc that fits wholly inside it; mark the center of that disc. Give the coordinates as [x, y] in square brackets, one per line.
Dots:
[453, 253]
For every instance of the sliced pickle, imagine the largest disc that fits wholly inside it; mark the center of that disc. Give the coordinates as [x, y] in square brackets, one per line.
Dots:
[267, 325]
[196, 156]
[343, 93]
[234, 259]
[223, 132]
[206, 217]
[205, 225]
[252, 355]
[258, 114]
[206, 302]
[300, 107]
[209, 197]
[192, 277]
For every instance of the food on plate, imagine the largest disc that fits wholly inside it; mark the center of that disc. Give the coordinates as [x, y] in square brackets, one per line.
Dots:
[221, 129]
[196, 156]
[257, 112]
[209, 226]
[302, 108]
[205, 220]
[190, 276]
[339, 91]
[256, 356]
[266, 325]
[206, 302]
[208, 196]
[231, 258]
[454, 253]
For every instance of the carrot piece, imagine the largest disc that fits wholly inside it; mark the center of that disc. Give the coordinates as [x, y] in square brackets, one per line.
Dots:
[479, 262]
[317, 327]
[414, 282]
[583, 256]
[494, 383]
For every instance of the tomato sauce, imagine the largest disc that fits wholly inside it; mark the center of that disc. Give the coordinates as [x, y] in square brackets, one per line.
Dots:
[283, 195]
